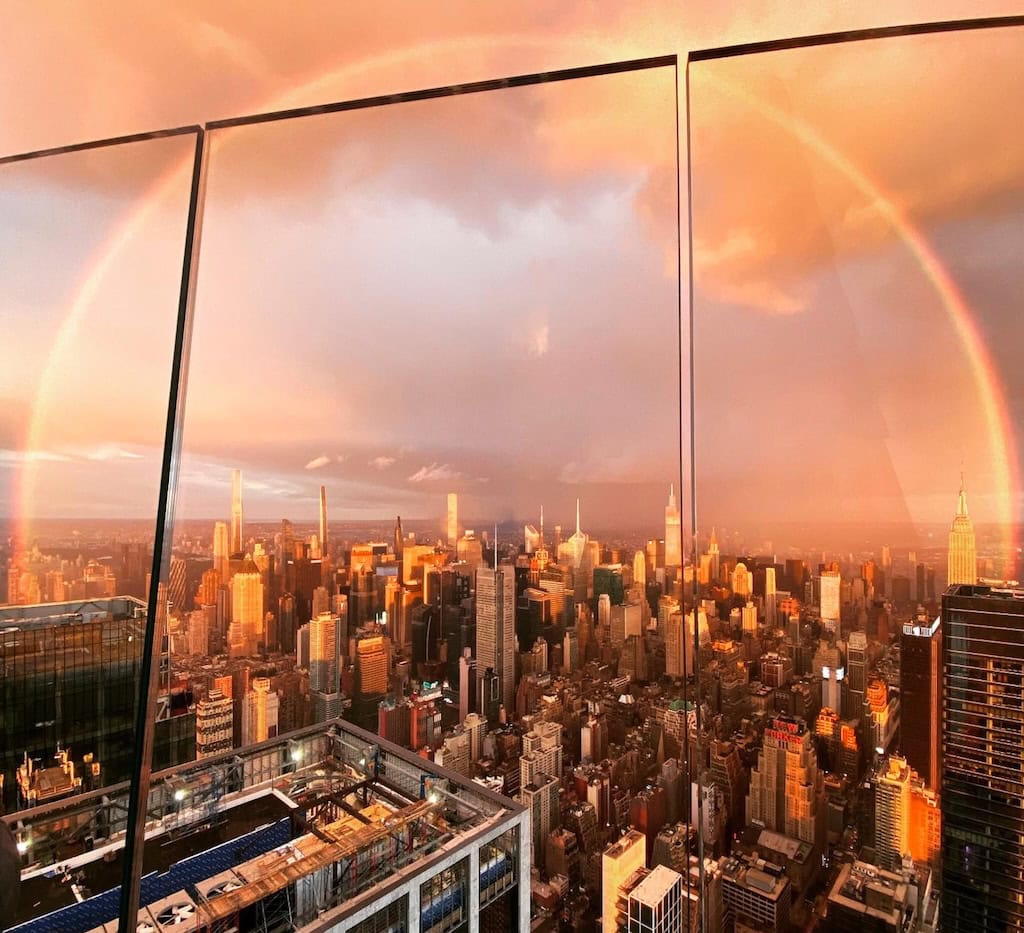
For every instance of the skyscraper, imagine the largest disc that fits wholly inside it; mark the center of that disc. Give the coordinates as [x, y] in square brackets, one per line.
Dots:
[715, 556]
[221, 552]
[236, 512]
[496, 627]
[856, 673]
[323, 653]
[540, 769]
[679, 644]
[920, 698]
[323, 519]
[618, 864]
[887, 570]
[770, 618]
[982, 766]
[259, 712]
[831, 584]
[656, 904]
[372, 665]
[453, 520]
[786, 790]
[246, 610]
[640, 570]
[399, 539]
[327, 636]
[673, 532]
[214, 717]
[962, 562]
[906, 816]
[577, 543]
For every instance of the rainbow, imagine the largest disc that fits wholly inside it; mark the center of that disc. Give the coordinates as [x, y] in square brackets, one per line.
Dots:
[985, 374]
[990, 390]
[177, 178]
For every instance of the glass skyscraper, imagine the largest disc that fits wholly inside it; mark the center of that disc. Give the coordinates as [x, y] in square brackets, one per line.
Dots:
[983, 764]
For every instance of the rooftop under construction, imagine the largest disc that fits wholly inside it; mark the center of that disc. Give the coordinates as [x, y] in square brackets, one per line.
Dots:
[328, 828]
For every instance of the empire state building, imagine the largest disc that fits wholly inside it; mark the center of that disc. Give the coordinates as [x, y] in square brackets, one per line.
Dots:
[962, 565]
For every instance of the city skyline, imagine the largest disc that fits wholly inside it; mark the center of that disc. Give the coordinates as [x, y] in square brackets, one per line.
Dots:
[512, 578]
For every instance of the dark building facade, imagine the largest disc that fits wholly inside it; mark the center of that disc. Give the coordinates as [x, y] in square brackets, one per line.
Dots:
[920, 698]
[70, 676]
[983, 759]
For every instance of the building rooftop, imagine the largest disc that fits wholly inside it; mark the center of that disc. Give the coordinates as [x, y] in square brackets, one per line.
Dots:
[652, 890]
[766, 878]
[271, 813]
[1001, 594]
[871, 891]
[618, 849]
[82, 610]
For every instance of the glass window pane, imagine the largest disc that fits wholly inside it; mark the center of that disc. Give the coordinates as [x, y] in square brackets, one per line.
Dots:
[856, 232]
[437, 310]
[92, 244]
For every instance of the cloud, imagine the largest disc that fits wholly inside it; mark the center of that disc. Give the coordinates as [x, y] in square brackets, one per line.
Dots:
[382, 462]
[32, 456]
[630, 466]
[539, 340]
[109, 452]
[759, 295]
[433, 473]
[735, 246]
[102, 454]
[317, 462]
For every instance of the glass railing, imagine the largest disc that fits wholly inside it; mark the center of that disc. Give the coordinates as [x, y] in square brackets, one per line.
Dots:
[474, 552]
[416, 332]
[92, 240]
[855, 218]
[389, 308]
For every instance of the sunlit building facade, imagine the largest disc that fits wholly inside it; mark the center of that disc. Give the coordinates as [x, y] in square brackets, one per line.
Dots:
[786, 786]
[673, 532]
[962, 561]
[619, 863]
[496, 628]
[237, 520]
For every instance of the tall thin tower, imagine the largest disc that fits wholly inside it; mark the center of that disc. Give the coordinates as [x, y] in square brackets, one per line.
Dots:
[962, 562]
[221, 552]
[323, 519]
[496, 628]
[578, 541]
[453, 519]
[236, 512]
[673, 532]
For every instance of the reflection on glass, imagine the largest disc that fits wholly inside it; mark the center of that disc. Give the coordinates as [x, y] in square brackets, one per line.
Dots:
[856, 231]
[92, 244]
[418, 475]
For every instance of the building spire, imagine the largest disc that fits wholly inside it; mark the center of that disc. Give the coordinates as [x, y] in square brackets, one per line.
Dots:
[495, 545]
[577, 515]
[542, 525]
[671, 495]
[961, 505]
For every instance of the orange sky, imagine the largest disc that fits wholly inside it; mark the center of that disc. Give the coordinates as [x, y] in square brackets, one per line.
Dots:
[779, 233]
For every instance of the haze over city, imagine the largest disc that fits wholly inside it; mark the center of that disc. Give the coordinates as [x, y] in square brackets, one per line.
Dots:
[597, 504]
